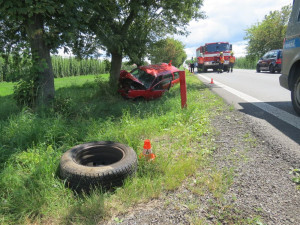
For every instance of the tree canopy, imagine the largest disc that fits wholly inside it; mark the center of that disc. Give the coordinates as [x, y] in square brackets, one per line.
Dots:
[43, 26]
[127, 28]
[124, 28]
[268, 34]
[166, 50]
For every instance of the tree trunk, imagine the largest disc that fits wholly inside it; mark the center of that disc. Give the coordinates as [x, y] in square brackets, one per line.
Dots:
[116, 63]
[41, 59]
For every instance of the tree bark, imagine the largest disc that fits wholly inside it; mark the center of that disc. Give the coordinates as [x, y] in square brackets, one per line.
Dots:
[116, 63]
[41, 59]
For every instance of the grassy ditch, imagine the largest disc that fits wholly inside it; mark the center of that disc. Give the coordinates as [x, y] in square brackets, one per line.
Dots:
[32, 143]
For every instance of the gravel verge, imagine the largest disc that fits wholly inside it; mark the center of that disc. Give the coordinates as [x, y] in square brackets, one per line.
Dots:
[262, 191]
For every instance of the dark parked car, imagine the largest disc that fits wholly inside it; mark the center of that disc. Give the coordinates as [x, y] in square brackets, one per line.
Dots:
[271, 61]
[148, 82]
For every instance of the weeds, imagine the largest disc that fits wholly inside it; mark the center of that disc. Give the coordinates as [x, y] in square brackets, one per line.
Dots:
[296, 177]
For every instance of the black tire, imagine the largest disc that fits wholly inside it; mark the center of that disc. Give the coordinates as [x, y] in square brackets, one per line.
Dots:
[271, 68]
[258, 69]
[101, 163]
[295, 95]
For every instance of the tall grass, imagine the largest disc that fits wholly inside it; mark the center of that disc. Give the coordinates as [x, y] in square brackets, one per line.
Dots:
[66, 67]
[246, 63]
[62, 67]
[32, 143]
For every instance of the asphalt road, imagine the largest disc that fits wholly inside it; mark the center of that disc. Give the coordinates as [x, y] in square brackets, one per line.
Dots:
[259, 96]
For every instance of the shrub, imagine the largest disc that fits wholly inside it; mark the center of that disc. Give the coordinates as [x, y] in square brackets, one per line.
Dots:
[25, 92]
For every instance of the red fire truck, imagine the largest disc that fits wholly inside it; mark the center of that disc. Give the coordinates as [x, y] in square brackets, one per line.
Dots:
[208, 55]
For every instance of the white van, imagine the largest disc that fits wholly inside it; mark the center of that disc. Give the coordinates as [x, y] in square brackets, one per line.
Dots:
[290, 77]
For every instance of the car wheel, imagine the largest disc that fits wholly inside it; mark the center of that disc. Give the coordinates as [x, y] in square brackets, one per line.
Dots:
[100, 163]
[258, 69]
[295, 95]
[271, 69]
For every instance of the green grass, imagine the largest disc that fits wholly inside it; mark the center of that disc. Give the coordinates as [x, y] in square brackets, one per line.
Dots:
[32, 143]
[6, 88]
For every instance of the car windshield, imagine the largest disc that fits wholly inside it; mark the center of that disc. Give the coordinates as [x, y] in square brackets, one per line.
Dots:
[142, 76]
[217, 47]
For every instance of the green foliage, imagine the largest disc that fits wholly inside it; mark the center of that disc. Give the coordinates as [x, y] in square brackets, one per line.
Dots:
[246, 62]
[26, 89]
[296, 176]
[192, 60]
[55, 15]
[65, 67]
[41, 26]
[62, 67]
[268, 34]
[14, 66]
[107, 65]
[32, 143]
[166, 50]
[141, 24]
[25, 92]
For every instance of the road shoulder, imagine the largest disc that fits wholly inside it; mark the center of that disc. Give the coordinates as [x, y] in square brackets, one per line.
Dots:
[257, 186]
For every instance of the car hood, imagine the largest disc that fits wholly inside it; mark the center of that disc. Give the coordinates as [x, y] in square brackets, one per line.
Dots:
[152, 70]
[126, 75]
[159, 69]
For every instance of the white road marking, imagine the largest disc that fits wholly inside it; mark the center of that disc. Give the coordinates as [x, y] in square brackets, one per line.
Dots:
[280, 114]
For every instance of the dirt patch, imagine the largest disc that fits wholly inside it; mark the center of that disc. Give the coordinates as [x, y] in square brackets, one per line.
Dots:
[261, 190]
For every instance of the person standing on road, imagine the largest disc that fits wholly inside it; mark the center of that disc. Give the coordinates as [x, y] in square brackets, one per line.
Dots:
[231, 62]
[192, 65]
[221, 63]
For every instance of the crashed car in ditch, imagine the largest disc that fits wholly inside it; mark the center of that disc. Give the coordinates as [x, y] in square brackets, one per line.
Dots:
[148, 82]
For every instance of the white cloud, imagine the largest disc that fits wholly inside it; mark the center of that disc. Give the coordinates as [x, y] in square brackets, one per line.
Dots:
[239, 48]
[227, 21]
[63, 54]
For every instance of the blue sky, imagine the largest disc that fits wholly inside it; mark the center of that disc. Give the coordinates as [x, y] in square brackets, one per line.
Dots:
[227, 20]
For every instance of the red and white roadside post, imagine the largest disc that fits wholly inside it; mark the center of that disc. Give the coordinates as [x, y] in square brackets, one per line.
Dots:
[182, 89]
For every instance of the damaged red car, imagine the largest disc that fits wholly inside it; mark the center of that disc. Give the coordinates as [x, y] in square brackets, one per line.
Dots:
[148, 82]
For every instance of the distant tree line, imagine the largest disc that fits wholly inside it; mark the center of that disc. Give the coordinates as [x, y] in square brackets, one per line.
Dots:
[65, 67]
[267, 34]
[264, 36]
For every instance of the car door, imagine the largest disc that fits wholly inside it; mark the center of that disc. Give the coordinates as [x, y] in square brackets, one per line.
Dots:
[176, 78]
[158, 89]
[272, 58]
[264, 61]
